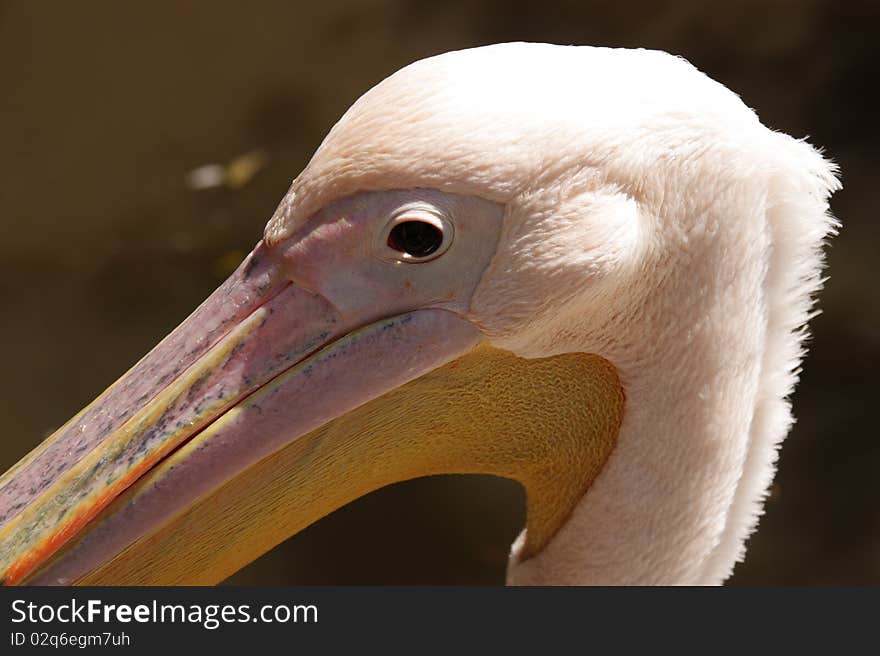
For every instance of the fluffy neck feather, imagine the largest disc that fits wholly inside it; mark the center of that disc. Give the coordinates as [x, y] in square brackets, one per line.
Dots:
[708, 353]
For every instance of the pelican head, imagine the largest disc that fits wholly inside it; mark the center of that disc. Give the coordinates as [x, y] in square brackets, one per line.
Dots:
[585, 269]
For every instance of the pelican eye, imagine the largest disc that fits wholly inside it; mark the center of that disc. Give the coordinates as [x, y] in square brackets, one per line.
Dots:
[415, 238]
[417, 235]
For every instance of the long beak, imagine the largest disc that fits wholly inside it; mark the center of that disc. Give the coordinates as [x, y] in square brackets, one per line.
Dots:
[260, 363]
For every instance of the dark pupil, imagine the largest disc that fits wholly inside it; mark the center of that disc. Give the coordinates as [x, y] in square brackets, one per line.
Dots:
[415, 238]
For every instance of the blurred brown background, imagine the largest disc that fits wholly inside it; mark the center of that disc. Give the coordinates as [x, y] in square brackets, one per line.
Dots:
[105, 245]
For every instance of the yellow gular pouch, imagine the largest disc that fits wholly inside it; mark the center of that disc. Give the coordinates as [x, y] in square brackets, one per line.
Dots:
[549, 423]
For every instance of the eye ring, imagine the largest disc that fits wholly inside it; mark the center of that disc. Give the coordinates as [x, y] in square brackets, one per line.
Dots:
[416, 233]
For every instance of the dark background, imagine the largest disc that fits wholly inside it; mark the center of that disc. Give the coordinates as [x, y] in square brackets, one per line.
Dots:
[105, 108]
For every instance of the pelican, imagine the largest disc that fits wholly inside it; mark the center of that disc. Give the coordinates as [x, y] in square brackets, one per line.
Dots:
[585, 269]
